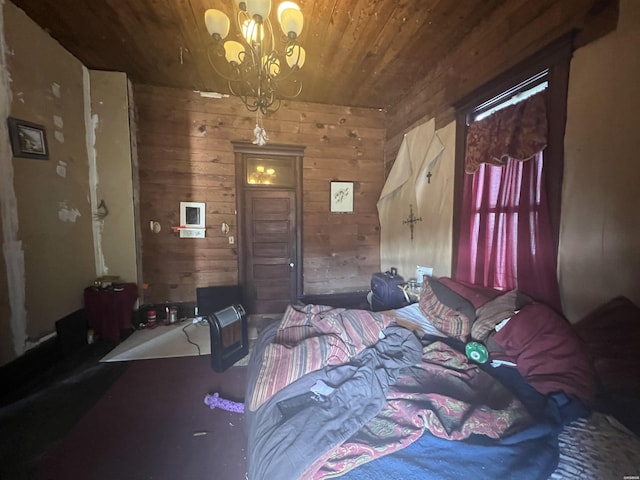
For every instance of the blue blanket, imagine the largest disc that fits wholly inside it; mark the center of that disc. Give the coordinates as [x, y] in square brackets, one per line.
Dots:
[530, 454]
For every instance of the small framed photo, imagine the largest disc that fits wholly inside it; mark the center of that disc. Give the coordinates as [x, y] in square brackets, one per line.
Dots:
[341, 197]
[28, 140]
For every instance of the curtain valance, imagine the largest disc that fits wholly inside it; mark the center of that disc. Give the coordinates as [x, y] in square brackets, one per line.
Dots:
[518, 131]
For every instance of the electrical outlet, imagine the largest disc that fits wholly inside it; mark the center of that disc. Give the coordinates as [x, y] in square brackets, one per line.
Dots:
[231, 240]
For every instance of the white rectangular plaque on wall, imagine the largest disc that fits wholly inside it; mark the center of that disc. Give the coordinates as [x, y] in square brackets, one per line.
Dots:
[341, 197]
[192, 220]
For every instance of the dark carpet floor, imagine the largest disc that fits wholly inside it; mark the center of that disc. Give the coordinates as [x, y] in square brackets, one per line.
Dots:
[38, 413]
[124, 420]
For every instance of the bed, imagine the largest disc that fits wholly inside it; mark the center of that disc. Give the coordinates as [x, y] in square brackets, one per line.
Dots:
[362, 395]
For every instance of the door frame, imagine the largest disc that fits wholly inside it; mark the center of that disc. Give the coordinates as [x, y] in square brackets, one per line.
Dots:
[241, 149]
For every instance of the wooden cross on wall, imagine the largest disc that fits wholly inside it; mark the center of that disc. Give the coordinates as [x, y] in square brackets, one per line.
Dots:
[411, 220]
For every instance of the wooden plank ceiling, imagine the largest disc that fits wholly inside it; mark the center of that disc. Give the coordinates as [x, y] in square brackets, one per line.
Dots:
[366, 53]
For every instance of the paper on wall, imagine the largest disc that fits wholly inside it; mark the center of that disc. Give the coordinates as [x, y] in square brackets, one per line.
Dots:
[422, 271]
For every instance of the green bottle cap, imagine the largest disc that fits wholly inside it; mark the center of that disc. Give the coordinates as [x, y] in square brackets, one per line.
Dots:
[477, 352]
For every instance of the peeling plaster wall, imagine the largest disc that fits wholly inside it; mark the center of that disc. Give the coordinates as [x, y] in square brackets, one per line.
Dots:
[114, 176]
[12, 311]
[46, 211]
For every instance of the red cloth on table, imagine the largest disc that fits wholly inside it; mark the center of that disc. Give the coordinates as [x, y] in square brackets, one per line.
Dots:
[110, 310]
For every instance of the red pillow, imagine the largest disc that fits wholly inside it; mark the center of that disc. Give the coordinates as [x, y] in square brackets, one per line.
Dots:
[477, 295]
[547, 351]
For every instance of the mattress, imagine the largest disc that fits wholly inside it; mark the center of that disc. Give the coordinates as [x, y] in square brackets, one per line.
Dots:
[598, 447]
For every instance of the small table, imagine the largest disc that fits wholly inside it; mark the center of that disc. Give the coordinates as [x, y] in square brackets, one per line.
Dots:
[110, 310]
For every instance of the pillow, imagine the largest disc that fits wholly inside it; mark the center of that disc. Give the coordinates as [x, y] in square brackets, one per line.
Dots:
[547, 352]
[476, 294]
[448, 311]
[495, 311]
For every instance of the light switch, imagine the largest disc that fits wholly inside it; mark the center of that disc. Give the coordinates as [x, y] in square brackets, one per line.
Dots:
[231, 240]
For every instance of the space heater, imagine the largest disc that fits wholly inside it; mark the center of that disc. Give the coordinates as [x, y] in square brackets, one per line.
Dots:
[229, 336]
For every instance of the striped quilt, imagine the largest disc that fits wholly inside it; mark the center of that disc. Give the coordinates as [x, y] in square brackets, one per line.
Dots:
[311, 337]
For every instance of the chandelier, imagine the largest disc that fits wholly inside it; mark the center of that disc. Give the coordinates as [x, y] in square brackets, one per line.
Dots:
[255, 69]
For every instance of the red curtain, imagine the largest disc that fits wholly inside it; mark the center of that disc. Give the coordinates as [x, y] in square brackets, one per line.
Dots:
[505, 238]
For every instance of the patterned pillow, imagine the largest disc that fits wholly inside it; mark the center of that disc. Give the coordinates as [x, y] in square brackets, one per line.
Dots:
[495, 311]
[446, 310]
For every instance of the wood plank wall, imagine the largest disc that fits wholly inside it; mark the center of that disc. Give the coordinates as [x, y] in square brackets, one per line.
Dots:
[185, 154]
[512, 33]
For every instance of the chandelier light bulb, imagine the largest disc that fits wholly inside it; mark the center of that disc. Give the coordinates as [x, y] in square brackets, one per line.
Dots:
[217, 23]
[283, 6]
[295, 56]
[262, 8]
[233, 51]
[291, 22]
[252, 31]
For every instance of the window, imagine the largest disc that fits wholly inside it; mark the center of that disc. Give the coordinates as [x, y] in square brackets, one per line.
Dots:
[506, 219]
[272, 171]
[507, 192]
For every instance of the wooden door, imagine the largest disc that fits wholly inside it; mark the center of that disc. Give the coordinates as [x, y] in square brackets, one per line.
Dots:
[270, 249]
[269, 187]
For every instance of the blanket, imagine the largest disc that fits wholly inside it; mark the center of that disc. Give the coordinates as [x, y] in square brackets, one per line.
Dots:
[531, 453]
[445, 396]
[311, 337]
[384, 395]
[323, 408]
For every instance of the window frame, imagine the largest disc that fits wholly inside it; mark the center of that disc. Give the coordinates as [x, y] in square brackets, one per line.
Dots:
[554, 58]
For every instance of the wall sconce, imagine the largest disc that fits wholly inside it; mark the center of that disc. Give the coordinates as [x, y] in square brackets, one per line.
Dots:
[154, 226]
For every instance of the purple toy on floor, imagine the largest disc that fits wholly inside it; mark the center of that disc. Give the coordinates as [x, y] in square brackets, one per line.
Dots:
[214, 401]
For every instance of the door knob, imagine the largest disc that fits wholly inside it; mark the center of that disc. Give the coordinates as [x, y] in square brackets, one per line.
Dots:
[291, 265]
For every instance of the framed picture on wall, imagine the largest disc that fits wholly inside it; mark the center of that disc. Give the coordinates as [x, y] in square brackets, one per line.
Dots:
[28, 140]
[342, 197]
